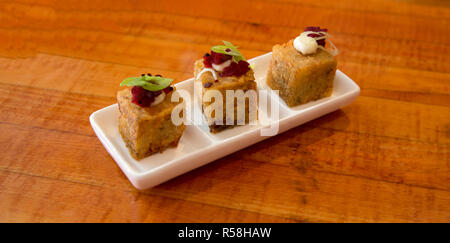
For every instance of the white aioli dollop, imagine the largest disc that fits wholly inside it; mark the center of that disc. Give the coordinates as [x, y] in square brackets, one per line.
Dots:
[207, 70]
[159, 99]
[222, 66]
[305, 44]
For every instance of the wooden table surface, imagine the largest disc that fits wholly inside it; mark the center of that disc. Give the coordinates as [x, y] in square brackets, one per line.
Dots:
[384, 158]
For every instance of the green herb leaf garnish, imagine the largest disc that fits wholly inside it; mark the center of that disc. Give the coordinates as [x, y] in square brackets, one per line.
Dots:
[229, 49]
[150, 83]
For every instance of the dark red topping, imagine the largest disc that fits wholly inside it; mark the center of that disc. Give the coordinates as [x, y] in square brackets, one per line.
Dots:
[314, 35]
[236, 69]
[315, 29]
[219, 58]
[207, 60]
[216, 58]
[145, 98]
[142, 97]
[168, 89]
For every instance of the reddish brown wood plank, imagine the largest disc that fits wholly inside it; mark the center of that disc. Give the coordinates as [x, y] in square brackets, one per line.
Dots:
[385, 158]
[38, 199]
[296, 191]
[130, 39]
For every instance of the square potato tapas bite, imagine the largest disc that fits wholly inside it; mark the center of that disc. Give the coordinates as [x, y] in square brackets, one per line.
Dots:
[302, 70]
[222, 70]
[145, 118]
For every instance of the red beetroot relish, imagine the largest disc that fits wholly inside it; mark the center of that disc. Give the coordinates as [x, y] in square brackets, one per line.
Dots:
[215, 58]
[207, 60]
[145, 98]
[235, 69]
[314, 35]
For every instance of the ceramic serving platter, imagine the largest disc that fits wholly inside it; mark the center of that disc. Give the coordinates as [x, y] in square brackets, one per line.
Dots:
[198, 147]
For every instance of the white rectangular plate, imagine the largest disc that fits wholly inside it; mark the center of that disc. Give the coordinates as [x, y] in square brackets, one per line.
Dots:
[197, 146]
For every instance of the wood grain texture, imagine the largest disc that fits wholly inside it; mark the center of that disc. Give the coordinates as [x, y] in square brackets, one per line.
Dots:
[384, 158]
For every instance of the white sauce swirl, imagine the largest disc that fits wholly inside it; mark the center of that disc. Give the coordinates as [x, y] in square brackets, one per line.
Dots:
[222, 66]
[305, 44]
[207, 70]
[159, 99]
[308, 45]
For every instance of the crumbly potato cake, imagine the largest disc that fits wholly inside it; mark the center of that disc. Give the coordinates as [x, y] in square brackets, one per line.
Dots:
[147, 130]
[301, 78]
[245, 82]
